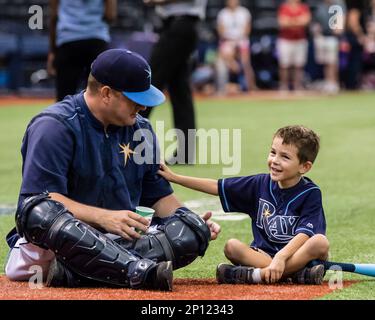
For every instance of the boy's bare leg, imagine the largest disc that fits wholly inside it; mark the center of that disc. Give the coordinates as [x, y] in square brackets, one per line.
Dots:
[315, 248]
[239, 253]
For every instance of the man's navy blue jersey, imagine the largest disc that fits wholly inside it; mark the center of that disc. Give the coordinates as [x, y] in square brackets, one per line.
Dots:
[66, 150]
[277, 214]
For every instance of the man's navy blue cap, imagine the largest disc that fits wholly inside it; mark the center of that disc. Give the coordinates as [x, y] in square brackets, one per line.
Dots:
[128, 72]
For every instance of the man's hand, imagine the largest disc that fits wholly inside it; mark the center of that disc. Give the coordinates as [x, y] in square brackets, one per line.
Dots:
[275, 270]
[123, 223]
[213, 226]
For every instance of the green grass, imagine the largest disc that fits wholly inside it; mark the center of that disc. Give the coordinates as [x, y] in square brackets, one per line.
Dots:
[13, 122]
[345, 169]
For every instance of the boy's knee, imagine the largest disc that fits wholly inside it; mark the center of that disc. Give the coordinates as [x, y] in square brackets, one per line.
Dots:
[321, 245]
[230, 248]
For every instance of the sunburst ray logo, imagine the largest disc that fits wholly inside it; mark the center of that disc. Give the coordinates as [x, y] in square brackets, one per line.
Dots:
[266, 213]
[125, 149]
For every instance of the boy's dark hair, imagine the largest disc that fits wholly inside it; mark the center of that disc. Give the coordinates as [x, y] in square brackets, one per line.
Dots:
[306, 141]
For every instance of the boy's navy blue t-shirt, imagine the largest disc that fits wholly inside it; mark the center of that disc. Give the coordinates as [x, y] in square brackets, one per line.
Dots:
[277, 214]
[66, 150]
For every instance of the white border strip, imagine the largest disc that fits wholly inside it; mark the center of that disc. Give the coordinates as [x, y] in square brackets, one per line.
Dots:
[213, 204]
[7, 209]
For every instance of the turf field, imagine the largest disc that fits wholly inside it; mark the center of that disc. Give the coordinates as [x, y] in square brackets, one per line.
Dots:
[345, 169]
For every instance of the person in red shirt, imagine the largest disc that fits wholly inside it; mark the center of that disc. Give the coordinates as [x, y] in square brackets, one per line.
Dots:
[293, 18]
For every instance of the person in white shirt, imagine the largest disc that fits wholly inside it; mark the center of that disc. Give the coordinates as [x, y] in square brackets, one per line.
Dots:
[234, 27]
[327, 42]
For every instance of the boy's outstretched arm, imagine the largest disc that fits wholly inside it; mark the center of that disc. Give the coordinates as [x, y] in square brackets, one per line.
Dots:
[200, 184]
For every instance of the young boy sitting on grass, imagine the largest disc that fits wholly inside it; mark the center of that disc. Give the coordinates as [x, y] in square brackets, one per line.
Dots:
[286, 209]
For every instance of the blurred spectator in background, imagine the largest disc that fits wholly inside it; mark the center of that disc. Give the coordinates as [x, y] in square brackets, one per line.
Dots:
[234, 27]
[79, 31]
[171, 67]
[292, 45]
[326, 42]
[368, 80]
[370, 39]
[372, 11]
[356, 36]
[370, 28]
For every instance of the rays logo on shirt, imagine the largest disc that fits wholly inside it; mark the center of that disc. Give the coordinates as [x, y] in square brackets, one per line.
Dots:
[279, 228]
[125, 149]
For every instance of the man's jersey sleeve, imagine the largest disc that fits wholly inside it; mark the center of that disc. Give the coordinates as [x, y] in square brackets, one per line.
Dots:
[47, 150]
[312, 220]
[154, 186]
[238, 194]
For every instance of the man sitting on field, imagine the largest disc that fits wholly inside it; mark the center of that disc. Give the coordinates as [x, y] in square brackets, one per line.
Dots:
[81, 183]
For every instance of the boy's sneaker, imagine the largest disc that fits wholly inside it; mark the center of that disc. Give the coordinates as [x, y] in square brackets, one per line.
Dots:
[227, 273]
[313, 275]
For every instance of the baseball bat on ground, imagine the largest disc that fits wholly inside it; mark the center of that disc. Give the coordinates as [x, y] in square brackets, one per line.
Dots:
[366, 269]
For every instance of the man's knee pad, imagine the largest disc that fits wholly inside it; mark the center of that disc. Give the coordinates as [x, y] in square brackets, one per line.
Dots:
[35, 217]
[180, 238]
[86, 251]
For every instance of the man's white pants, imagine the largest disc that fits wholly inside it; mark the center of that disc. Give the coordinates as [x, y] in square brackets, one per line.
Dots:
[23, 258]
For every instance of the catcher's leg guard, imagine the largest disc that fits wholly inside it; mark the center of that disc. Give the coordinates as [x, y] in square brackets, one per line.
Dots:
[86, 251]
[180, 238]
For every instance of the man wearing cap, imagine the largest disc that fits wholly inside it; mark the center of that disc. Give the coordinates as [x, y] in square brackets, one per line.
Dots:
[81, 183]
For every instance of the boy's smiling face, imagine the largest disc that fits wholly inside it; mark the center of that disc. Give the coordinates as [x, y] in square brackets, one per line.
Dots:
[284, 164]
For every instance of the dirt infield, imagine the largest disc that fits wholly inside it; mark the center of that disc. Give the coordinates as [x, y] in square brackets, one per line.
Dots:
[184, 289]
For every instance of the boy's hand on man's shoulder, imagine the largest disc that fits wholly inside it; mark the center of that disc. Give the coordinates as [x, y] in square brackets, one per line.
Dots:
[167, 173]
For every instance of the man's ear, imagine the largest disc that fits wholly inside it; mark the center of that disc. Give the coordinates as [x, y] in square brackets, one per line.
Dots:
[106, 94]
[305, 167]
